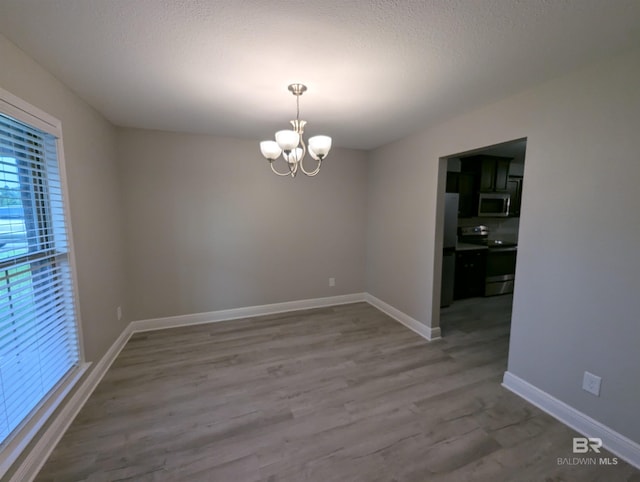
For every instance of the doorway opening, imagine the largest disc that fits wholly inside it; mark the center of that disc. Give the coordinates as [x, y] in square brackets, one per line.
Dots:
[482, 205]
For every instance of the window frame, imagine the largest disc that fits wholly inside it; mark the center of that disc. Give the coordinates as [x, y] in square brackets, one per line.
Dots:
[22, 111]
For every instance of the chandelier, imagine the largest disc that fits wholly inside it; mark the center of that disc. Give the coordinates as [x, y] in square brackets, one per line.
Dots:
[291, 145]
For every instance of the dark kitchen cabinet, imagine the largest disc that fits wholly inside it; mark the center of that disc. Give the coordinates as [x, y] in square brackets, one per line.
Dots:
[514, 187]
[452, 182]
[469, 274]
[502, 174]
[468, 199]
[492, 171]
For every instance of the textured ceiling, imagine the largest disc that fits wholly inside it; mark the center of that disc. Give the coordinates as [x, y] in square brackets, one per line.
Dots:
[376, 69]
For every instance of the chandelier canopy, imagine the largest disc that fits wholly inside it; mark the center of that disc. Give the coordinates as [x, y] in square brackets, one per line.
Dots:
[290, 144]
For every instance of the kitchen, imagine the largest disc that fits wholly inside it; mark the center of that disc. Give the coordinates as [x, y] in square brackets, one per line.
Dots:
[482, 215]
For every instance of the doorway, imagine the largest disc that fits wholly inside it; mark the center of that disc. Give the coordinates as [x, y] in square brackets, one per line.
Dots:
[482, 205]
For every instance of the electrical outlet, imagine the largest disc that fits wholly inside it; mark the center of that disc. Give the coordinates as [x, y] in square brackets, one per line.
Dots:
[119, 312]
[332, 281]
[591, 383]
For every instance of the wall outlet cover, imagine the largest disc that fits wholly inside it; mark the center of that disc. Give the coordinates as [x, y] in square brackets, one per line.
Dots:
[591, 383]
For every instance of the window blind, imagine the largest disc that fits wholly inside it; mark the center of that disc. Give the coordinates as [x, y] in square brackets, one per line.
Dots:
[38, 331]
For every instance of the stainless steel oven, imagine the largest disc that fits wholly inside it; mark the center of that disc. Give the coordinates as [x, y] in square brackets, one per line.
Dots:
[501, 270]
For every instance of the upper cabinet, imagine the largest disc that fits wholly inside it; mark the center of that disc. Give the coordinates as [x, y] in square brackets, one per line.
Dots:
[453, 181]
[468, 199]
[514, 187]
[494, 171]
[464, 183]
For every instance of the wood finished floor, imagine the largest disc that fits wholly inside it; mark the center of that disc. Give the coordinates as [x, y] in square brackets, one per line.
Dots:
[333, 394]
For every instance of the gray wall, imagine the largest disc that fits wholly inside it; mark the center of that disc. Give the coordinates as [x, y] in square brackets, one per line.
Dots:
[89, 145]
[576, 303]
[210, 227]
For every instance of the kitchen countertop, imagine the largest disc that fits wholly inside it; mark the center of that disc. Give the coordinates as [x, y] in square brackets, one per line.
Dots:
[469, 247]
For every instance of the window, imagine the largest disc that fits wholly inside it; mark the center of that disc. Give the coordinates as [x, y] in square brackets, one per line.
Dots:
[39, 345]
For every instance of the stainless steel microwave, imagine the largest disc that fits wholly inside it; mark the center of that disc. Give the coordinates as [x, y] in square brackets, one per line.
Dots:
[494, 204]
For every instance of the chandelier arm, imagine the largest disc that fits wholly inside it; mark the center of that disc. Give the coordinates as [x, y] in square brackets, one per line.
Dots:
[290, 172]
[300, 162]
[308, 173]
[314, 172]
[304, 150]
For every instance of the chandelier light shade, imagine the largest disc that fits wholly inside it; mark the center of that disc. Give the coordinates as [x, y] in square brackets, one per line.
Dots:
[319, 146]
[290, 144]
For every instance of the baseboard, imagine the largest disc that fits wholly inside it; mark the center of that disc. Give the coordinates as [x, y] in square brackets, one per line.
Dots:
[414, 325]
[246, 312]
[41, 451]
[616, 443]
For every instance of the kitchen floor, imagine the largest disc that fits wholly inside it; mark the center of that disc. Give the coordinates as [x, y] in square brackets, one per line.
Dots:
[478, 313]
